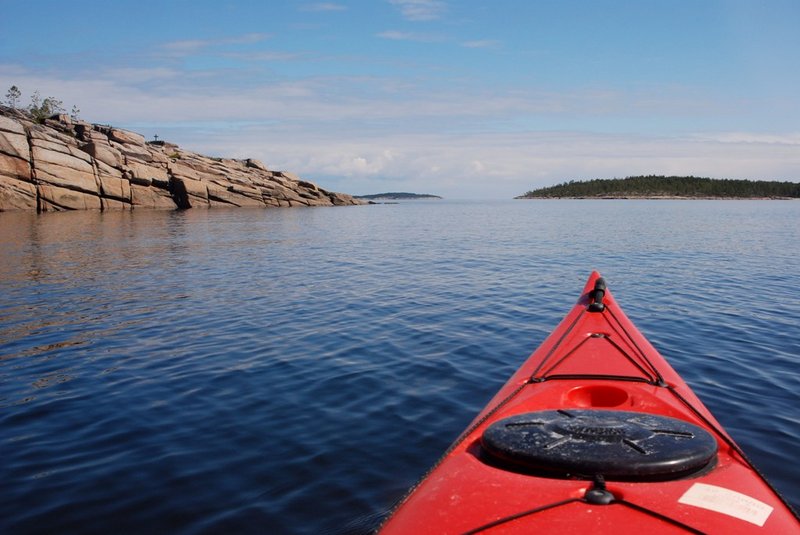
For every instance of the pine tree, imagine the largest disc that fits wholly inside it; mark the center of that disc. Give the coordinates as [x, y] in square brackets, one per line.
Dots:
[12, 97]
[42, 109]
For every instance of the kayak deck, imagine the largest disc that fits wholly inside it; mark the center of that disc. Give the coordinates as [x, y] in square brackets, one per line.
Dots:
[594, 431]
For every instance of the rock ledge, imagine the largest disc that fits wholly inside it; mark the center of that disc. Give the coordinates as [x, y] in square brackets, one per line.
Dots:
[74, 165]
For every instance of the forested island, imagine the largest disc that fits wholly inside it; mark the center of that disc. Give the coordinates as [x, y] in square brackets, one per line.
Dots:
[653, 186]
[396, 196]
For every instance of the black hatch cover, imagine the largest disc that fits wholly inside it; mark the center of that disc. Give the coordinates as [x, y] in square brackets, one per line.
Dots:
[589, 442]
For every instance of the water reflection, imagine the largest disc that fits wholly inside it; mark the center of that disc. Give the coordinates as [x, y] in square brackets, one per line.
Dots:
[296, 370]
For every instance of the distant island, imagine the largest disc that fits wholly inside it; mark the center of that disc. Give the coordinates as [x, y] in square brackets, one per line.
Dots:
[396, 196]
[667, 187]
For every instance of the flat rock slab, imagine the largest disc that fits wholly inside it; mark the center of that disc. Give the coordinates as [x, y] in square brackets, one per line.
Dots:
[73, 165]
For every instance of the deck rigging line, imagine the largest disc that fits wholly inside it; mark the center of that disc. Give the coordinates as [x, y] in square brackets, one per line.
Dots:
[625, 503]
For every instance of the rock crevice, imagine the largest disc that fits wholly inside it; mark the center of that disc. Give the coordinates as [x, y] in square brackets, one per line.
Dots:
[75, 165]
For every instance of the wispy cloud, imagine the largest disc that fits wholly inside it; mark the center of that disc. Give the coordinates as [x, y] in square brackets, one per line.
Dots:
[461, 138]
[481, 43]
[264, 55]
[190, 46]
[144, 74]
[323, 6]
[247, 38]
[396, 35]
[326, 100]
[186, 46]
[501, 165]
[751, 138]
[420, 10]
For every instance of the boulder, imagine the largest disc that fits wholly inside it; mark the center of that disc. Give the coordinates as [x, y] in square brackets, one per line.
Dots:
[63, 170]
[290, 176]
[343, 199]
[62, 148]
[144, 174]
[134, 152]
[233, 197]
[115, 188]
[16, 168]
[84, 130]
[247, 191]
[190, 193]
[200, 168]
[16, 194]
[295, 198]
[278, 179]
[102, 169]
[42, 133]
[7, 124]
[113, 204]
[307, 185]
[62, 118]
[144, 197]
[255, 164]
[55, 198]
[158, 157]
[126, 137]
[94, 135]
[103, 152]
[17, 191]
[322, 201]
[275, 191]
[182, 170]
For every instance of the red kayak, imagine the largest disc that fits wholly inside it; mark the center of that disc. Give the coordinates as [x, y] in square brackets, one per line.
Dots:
[595, 433]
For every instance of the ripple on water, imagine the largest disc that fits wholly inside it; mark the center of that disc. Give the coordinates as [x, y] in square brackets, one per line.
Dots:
[296, 371]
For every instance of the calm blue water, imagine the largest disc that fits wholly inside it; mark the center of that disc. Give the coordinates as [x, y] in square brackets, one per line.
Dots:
[295, 371]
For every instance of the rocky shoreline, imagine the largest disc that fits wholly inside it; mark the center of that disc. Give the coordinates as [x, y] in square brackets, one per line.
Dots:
[67, 164]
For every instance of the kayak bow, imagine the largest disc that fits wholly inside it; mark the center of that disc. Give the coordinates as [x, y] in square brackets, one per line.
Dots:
[594, 431]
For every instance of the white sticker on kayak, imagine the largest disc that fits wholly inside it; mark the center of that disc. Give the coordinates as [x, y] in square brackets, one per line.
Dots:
[728, 502]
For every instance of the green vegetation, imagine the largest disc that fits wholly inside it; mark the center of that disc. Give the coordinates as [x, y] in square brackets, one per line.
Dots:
[44, 109]
[40, 109]
[668, 186]
[13, 95]
[397, 196]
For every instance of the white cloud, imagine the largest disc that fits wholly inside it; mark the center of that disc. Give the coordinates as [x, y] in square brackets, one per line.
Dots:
[481, 43]
[359, 134]
[142, 74]
[186, 46]
[410, 36]
[323, 6]
[498, 165]
[366, 163]
[420, 10]
[264, 55]
[751, 137]
[191, 46]
[476, 166]
[247, 38]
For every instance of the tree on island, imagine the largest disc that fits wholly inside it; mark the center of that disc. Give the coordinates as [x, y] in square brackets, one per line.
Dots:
[42, 109]
[39, 108]
[668, 186]
[12, 97]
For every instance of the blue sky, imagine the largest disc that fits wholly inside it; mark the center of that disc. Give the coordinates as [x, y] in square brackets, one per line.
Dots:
[466, 99]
